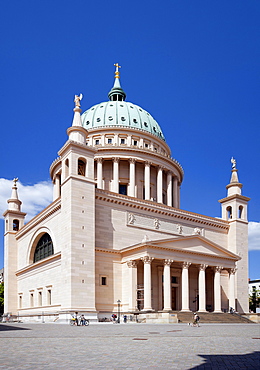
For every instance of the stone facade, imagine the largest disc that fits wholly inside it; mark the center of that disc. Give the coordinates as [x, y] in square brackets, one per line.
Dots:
[115, 232]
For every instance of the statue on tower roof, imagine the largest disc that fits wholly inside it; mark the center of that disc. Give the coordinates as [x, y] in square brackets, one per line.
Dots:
[77, 100]
[234, 163]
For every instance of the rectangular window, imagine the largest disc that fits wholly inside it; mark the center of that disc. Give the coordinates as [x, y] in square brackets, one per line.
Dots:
[49, 297]
[123, 189]
[103, 280]
[135, 142]
[20, 301]
[97, 142]
[174, 279]
[109, 141]
[31, 300]
[122, 141]
[39, 298]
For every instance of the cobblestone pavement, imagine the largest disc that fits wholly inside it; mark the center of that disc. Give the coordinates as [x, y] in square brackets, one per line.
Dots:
[129, 346]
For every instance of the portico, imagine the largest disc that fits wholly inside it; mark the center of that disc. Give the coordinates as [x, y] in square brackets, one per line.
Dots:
[170, 283]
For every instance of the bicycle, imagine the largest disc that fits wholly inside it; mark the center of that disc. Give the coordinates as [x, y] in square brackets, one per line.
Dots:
[81, 323]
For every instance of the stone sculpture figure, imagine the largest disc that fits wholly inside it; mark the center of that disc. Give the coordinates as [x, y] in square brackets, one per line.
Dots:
[77, 100]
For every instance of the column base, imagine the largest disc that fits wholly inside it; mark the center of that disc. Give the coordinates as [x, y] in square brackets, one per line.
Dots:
[202, 311]
[186, 310]
[217, 311]
[147, 310]
[167, 309]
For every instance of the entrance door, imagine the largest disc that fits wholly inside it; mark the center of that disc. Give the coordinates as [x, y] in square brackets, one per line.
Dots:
[174, 298]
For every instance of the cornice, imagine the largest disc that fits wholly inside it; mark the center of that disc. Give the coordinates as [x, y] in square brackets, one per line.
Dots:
[234, 196]
[47, 212]
[47, 260]
[105, 250]
[157, 208]
[70, 143]
[18, 213]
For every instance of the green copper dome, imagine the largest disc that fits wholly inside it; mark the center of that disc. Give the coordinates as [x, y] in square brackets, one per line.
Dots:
[117, 112]
[120, 113]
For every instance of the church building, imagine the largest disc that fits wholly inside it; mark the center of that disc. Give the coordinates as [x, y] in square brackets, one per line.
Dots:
[115, 237]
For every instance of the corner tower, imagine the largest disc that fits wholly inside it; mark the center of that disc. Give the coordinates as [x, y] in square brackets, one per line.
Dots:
[234, 210]
[75, 167]
[14, 221]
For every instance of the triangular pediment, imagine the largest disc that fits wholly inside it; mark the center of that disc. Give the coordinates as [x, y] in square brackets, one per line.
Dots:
[193, 244]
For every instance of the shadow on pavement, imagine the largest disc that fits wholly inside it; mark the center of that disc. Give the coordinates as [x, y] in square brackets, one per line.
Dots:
[7, 327]
[247, 361]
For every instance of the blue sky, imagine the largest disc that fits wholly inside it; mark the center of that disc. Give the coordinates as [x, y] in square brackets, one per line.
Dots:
[194, 65]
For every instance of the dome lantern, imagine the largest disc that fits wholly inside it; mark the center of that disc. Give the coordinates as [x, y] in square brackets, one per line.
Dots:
[117, 93]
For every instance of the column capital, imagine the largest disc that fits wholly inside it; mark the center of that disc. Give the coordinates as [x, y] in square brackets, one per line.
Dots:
[218, 268]
[168, 262]
[203, 267]
[232, 271]
[169, 172]
[132, 160]
[115, 159]
[132, 264]
[147, 163]
[160, 167]
[99, 160]
[186, 265]
[147, 259]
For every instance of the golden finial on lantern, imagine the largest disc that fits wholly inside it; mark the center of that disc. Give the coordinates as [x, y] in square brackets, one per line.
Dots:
[117, 75]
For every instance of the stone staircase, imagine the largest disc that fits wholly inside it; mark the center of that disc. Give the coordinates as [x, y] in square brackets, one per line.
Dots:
[209, 317]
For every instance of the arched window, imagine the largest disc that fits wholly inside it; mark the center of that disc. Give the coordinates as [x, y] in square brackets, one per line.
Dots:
[15, 225]
[240, 211]
[44, 248]
[229, 212]
[81, 167]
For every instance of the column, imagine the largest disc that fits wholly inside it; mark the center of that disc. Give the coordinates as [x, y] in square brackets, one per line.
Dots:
[132, 284]
[132, 177]
[231, 293]
[159, 184]
[217, 291]
[167, 304]
[147, 283]
[202, 288]
[115, 175]
[147, 176]
[160, 287]
[99, 173]
[185, 286]
[179, 196]
[169, 188]
[175, 192]
[56, 187]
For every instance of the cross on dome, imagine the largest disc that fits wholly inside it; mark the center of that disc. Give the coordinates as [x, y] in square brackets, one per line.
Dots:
[117, 75]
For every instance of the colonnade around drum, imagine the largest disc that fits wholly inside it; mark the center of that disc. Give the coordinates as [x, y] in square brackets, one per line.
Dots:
[172, 182]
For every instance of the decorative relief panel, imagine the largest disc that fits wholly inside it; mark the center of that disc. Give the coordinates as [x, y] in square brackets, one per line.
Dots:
[158, 224]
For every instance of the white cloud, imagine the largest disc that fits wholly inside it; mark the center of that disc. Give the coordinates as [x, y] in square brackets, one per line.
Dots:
[34, 197]
[254, 236]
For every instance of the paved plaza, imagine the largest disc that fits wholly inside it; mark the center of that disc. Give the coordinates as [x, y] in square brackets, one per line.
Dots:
[129, 346]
